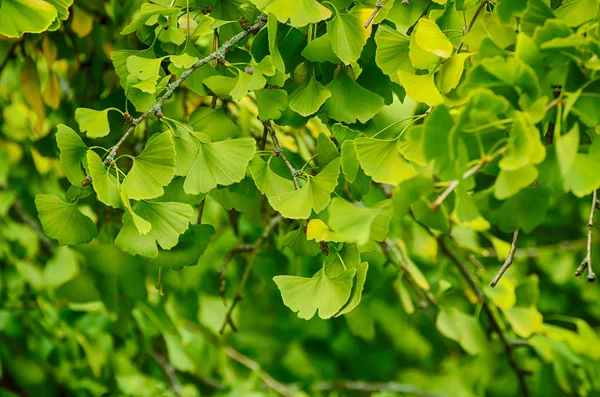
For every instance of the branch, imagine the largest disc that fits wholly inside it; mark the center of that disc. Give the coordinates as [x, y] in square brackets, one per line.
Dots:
[509, 258]
[467, 174]
[240, 358]
[168, 371]
[157, 108]
[481, 6]
[587, 261]
[389, 248]
[378, 7]
[490, 315]
[245, 248]
[391, 387]
[279, 153]
[256, 368]
[412, 27]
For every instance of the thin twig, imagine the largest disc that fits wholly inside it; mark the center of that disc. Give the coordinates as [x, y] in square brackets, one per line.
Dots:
[467, 174]
[263, 141]
[254, 250]
[490, 315]
[240, 358]
[215, 47]
[509, 258]
[412, 27]
[279, 152]
[169, 372]
[398, 261]
[587, 261]
[359, 386]
[157, 108]
[378, 7]
[481, 6]
[200, 211]
[256, 368]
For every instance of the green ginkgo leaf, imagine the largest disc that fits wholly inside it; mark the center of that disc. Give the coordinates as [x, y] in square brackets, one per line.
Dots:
[321, 292]
[168, 220]
[271, 104]
[524, 146]
[382, 161]
[357, 289]
[143, 73]
[319, 50]
[431, 39]
[62, 7]
[25, 16]
[95, 122]
[350, 164]
[317, 230]
[420, 58]
[348, 35]
[309, 97]
[297, 241]
[451, 72]
[72, 154]
[63, 221]
[350, 102]
[104, 183]
[314, 195]
[188, 250]
[300, 13]
[142, 226]
[219, 163]
[215, 123]
[152, 169]
[150, 11]
[272, 26]
[510, 183]
[420, 88]
[583, 176]
[392, 53]
[268, 182]
[183, 61]
[186, 147]
[358, 224]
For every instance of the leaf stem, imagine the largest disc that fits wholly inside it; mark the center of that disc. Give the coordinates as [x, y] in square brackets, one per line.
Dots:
[279, 153]
[587, 261]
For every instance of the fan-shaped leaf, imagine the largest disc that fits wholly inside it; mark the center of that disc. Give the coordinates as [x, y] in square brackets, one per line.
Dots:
[63, 221]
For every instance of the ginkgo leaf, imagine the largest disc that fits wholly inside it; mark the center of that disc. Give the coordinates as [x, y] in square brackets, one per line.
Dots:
[25, 16]
[349, 101]
[186, 147]
[309, 97]
[323, 293]
[271, 104]
[149, 11]
[72, 154]
[152, 169]
[583, 176]
[392, 53]
[95, 122]
[104, 183]
[524, 145]
[219, 163]
[143, 73]
[131, 241]
[168, 220]
[357, 289]
[188, 250]
[451, 72]
[382, 161]
[567, 147]
[268, 182]
[350, 164]
[183, 61]
[142, 226]
[420, 58]
[63, 221]
[297, 241]
[431, 39]
[319, 50]
[314, 195]
[317, 230]
[348, 35]
[355, 223]
[510, 183]
[420, 88]
[300, 13]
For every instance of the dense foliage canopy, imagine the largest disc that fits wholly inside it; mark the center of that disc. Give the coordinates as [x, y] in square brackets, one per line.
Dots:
[299, 198]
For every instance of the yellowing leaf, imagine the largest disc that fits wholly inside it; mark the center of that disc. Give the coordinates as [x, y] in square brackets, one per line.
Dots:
[420, 88]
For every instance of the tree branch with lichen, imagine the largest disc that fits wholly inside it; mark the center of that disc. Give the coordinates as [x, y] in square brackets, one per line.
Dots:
[156, 109]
